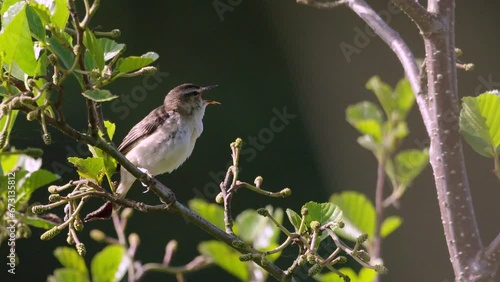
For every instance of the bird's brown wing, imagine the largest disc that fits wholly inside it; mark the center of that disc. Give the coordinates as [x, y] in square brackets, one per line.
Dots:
[143, 129]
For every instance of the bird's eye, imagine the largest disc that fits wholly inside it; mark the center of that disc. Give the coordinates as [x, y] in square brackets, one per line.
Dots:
[191, 93]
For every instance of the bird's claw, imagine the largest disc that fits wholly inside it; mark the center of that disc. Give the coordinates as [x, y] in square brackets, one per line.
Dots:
[149, 176]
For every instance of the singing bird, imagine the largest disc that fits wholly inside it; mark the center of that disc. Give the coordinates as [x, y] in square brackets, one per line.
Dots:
[164, 139]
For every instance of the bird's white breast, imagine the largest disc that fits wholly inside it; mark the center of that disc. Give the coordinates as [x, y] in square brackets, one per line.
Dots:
[170, 146]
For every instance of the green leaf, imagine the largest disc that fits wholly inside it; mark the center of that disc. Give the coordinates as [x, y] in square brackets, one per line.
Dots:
[211, 212]
[70, 259]
[384, 94]
[110, 48]
[99, 95]
[8, 162]
[480, 123]
[64, 275]
[323, 213]
[358, 214]
[15, 39]
[6, 4]
[64, 55]
[35, 24]
[225, 257]
[407, 165]
[405, 99]
[134, 63]
[60, 14]
[42, 11]
[110, 163]
[105, 264]
[366, 118]
[41, 70]
[110, 128]
[94, 47]
[259, 230]
[294, 218]
[33, 181]
[397, 103]
[89, 168]
[390, 225]
[365, 275]
[368, 142]
[39, 222]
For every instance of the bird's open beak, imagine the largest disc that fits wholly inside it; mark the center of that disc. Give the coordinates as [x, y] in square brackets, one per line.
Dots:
[206, 88]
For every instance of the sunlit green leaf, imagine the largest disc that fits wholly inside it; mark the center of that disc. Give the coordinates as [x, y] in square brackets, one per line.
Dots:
[110, 47]
[64, 275]
[480, 123]
[70, 259]
[133, 63]
[365, 275]
[384, 94]
[34, 181]
[259, 230]
[39, 222]
[389, 225]
[225, 257]
[211, 212]
[105, 264]
[405, 99]
[89, 168]
[42, 11]
[294, 218]
[396, 103]
[110, 128]
[407, 165]
[358, 214]
[94, 47]
[99, 95]
[61, 13]
[35, 24]
[6, 4]
[322, 212]
[15, 39]
[366, 118]
[8, 162]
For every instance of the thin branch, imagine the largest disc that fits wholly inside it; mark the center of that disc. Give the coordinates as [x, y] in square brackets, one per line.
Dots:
[398, 46]
[379, 208]
[323, 4]
[493, 251]
[80, 51]
[427, 23]
[196, 264]
[164, 193]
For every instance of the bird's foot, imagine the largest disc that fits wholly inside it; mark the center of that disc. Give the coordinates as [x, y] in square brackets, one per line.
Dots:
[150, 176]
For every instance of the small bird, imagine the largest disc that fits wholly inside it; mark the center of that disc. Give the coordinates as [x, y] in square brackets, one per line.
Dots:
[164, 139]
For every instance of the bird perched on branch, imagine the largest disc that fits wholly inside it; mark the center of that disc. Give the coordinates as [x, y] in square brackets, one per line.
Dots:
[164, 139]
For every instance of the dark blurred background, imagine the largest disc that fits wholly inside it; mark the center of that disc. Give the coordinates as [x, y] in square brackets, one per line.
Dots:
[269, 56]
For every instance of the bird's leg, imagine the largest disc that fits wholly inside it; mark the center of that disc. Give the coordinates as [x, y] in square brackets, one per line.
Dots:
[150, 177]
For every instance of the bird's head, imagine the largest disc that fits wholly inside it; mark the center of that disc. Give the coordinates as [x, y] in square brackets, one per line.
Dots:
[188, 97]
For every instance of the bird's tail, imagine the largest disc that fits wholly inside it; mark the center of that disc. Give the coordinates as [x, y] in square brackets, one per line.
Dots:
[126, 181]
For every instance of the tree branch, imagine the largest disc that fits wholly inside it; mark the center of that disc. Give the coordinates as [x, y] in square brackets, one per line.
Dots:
[395, 42]
[164, 193]
[446, 155]
[425, 21]
[79, 51]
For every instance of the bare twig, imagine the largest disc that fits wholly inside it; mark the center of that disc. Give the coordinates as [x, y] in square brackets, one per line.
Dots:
[323, 4]
[80, 51]
[379, 207]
